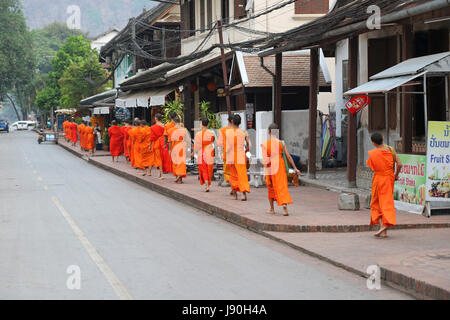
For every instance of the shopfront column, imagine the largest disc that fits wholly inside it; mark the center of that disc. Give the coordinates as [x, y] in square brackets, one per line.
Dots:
[313, 92]
[353, 53]
[407, 99]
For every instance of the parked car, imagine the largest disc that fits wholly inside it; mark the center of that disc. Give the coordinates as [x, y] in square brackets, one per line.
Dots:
[20, 125]
[4, 126]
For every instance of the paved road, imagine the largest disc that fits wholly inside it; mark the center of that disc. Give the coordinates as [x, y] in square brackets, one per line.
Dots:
[58, 211]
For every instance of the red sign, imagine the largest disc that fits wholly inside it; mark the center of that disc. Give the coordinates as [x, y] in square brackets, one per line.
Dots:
[357, 104]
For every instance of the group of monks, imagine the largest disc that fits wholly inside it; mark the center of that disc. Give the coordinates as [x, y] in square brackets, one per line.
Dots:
[70, 131]
[83, 132]
[164, 146]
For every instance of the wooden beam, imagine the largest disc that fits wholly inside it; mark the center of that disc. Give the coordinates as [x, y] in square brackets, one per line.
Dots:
[407, 99]
[353, 53]
[313, 87]
[278, 89]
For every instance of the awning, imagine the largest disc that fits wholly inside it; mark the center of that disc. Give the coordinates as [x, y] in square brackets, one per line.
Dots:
[157, 97]
[382, 85]
[88, 102]
[101, 110]
[402, 73]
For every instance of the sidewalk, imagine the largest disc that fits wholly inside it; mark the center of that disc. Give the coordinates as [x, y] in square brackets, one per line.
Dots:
[314, 220]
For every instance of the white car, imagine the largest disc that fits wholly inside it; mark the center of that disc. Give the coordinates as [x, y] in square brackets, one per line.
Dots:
[20, 125]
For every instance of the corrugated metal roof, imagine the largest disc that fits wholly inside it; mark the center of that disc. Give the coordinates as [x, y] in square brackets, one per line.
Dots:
[433, 63]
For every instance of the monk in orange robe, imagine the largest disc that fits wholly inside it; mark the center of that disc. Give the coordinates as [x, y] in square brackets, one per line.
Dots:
[136, 136]
[82, 136]
[275, 170]
[144, 144]
[157, 145]
[382, 161]
[126, 150]
[236, 159]
[178, 138]
[222, 143]
[167, 159]
[89, 139]
[74, 133]
[116, 141]
[131, 139]
[203, 147]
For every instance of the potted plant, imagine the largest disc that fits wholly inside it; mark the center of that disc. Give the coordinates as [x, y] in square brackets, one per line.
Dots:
[105, 140]
[214, 119]
[170, 106]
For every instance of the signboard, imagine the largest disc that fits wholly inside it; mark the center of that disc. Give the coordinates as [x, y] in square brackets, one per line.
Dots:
[357, 103]
[438, 161]
[123, 114]
[410, 186]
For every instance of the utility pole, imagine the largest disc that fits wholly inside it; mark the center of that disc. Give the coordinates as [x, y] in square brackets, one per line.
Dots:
[224, 69]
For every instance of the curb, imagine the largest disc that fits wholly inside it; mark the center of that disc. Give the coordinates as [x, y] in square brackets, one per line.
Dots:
[243, 221]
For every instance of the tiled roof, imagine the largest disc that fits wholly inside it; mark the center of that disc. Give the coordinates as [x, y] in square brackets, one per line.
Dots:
[295, 68]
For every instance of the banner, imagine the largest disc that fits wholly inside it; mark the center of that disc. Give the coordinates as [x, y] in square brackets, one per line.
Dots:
[438, 161]
[410, 186]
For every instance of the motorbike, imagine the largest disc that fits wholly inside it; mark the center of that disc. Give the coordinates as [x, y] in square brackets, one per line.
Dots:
[41, 137]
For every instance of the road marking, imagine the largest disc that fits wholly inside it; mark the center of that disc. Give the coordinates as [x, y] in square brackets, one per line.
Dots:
[110, 276]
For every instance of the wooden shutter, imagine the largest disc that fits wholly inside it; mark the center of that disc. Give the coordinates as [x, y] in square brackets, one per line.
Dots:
[202, 15]
[209, 14]
[184, 14]
[311, 6]
[239, 9]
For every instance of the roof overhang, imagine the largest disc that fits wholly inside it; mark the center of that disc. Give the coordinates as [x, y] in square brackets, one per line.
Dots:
[404, 72]
[89, 102]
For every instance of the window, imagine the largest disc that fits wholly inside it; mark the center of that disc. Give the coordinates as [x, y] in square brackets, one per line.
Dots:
[311, 6]
[239, 9]
[209, 14]
[345, 75]
[202, 15]
[225, 11]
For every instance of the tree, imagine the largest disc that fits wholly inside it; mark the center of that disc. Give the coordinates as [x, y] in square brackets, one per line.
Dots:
[73, 84]
[74, 50]
[17, 61]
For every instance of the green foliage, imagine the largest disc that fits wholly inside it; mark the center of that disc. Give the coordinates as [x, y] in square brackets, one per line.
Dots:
[17, 62]
[73, 85]
[47, 41]
[78, 120]
[105, 137]
[214, 119]
[66, 85]
[170, 106]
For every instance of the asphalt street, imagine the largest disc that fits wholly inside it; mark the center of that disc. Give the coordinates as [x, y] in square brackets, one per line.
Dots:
[63, 219]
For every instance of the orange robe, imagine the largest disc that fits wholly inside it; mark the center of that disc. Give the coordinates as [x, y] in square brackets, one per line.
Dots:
[236, 160]
[275, 169]
[203, 144]
[144, 144]
[126, 151]
[157, 140]
[73, 132]
[382, 204]
[222, 143]
[167, 159]
[82, 136]
[132, 138]
[178, 152]
[137, 147]
[116, 141]
[89, 138]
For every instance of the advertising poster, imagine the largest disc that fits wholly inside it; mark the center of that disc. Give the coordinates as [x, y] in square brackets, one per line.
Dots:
[438, 161]
[411, 184]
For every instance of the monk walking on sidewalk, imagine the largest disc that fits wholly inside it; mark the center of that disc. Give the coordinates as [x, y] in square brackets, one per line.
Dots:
[203, 146]
[116, 141]
[382, 161]
[275, 157]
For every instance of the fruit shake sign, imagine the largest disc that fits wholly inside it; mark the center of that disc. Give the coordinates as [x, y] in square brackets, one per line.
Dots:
[438, 161]
[410, 186]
